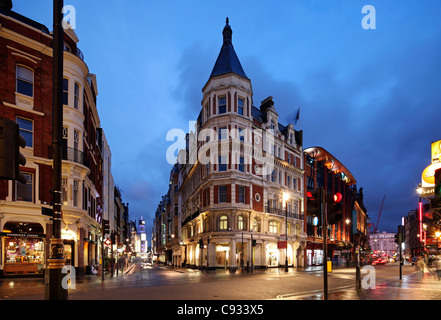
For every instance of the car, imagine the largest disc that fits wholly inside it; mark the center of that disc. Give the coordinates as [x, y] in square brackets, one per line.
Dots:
[379, 261]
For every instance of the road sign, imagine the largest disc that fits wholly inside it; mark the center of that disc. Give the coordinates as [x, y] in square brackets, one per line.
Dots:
[281, 244]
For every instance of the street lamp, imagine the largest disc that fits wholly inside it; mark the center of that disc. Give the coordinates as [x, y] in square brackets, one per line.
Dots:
[420, 214]
[285, 201]
[348, 221]
[437, 235]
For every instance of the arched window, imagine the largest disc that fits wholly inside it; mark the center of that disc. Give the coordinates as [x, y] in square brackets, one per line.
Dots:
[241, 223]
[223, 222]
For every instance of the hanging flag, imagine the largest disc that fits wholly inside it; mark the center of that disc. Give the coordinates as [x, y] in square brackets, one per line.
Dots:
[297, 116]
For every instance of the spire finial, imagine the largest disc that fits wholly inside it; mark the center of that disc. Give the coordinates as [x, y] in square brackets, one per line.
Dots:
[227, 32]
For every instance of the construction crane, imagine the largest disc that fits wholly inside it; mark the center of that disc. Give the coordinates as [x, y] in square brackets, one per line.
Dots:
[375, 229]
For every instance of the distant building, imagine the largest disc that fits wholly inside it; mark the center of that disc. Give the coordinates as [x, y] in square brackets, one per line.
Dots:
[383, 244]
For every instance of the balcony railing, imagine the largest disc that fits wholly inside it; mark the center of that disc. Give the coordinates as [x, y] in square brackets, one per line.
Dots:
[78, 52]
[71, 154]
[282, 212]
[75, 155]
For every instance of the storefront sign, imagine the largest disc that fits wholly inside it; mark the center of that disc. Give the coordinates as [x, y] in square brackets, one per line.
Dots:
[23, 235]
[68, 235]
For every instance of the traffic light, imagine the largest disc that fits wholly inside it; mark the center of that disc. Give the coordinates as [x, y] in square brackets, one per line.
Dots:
[335, 208]
[313, 205]
[201, 243]
[399, 236]
[106, 227]
[254, 242]
[10, 156]
[438, 183]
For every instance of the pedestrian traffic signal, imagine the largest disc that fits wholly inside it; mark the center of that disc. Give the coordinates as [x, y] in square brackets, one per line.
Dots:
[10, 156]
[438, 183]
[335, 207]
[106, 227]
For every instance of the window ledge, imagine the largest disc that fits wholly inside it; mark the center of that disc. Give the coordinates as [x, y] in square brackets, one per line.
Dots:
[26, 108]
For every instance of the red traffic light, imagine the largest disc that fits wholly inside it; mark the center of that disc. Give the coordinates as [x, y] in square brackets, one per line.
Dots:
[337, 197]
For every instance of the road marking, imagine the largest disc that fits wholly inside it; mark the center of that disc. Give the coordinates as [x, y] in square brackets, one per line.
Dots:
[310, 293]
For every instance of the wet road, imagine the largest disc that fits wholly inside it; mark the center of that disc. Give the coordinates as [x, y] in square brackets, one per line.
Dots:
[147, 282]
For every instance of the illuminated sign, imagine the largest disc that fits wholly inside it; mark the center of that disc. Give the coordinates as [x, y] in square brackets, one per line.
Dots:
[428, 176]
[68, 235]
[436, 151]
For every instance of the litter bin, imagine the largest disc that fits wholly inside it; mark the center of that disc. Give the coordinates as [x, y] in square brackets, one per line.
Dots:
[329, 266]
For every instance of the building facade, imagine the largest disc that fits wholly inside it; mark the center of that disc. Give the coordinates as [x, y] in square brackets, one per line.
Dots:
[383, 244]
[26, 84]
[350, 234]
[237, 191]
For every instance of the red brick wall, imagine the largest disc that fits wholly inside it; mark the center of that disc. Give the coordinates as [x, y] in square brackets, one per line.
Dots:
[257, 206]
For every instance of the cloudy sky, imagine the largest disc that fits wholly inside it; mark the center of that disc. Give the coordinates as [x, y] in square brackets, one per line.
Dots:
[371, 97]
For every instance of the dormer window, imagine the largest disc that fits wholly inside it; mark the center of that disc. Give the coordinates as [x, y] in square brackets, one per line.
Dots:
[273, 124]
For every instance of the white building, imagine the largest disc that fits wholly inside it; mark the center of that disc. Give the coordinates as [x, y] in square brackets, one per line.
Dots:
[383, 244]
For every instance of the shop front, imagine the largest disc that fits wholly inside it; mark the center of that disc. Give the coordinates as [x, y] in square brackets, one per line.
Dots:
[222, 255]
[23, 244]
[272, 255]
[314, 254]
[69, 241]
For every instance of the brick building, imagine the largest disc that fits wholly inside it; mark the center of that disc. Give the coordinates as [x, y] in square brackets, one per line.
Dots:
[26, 97]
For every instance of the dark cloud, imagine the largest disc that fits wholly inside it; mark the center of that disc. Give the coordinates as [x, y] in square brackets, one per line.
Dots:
[378, 118]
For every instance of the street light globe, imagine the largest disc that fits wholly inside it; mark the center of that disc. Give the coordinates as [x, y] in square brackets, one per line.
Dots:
[285, 196]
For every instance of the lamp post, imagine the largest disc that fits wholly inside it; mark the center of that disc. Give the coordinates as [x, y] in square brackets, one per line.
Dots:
[420, 215]
[285, 201]
[54, 289]
[437, 235]
[348, 221]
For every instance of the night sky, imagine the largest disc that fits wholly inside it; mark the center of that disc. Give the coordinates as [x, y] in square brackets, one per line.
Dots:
[371, 97]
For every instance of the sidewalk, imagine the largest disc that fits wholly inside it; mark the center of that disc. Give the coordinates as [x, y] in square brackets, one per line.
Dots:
[409, 288]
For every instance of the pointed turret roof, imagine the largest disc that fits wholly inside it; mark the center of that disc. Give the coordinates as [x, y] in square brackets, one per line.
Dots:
[227, 61]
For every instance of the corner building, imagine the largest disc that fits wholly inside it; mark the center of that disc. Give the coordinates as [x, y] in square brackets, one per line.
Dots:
[26, 83]
[240, 185]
